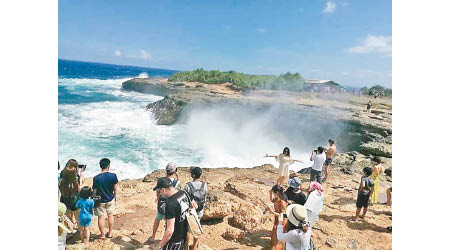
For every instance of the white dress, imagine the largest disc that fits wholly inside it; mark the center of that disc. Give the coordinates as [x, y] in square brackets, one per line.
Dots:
[285, 162]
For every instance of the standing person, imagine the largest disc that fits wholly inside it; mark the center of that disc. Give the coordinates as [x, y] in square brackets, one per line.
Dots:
[278, 199]
[285, 161]
[69, 187]
[364, 192]
[298, 235]
[319, 159]
[294, 192]
[197, 190]
[377, 170]
[329, 153]
[86, 206]
[389, 196]
[369, 105]
[171, 173]
[105, 185]
[176, 213]
[314, 203]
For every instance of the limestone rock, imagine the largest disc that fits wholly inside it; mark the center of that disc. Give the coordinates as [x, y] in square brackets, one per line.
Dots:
[377, 148]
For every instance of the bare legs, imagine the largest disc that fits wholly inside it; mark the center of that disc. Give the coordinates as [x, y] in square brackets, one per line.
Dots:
[389, 196]
[85, 233]
[281, 180]
[101, 226]
[358, 210]
[327, 172]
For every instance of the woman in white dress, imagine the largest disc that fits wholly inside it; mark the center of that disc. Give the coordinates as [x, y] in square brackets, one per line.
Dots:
[285, 161]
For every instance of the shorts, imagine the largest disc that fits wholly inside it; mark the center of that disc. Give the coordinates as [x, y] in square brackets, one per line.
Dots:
[362, 200]
[328, 161]
[105, 208]
[85, 220]
[316, 176]
[175, 246]
[159, 216]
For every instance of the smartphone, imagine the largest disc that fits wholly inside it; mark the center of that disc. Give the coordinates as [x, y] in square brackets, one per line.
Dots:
[285, 216]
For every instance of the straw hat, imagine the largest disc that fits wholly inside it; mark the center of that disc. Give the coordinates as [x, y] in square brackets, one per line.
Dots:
[62, 221]
[296, 214]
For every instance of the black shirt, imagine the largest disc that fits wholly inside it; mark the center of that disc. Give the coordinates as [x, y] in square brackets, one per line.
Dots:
[298, 198]
[177, 206]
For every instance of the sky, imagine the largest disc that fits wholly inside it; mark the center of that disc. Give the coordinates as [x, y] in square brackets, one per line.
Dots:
[347, 41]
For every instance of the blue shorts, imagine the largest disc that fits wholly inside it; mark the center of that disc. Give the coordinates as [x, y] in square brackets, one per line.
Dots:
[85, 220]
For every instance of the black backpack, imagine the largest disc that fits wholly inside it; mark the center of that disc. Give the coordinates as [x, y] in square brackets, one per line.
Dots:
[199, 195]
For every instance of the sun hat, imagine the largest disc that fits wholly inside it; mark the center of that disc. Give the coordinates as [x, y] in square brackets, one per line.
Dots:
[163, 182]
[62, 219]
[295, 182]
[296, 214]
[171, 167]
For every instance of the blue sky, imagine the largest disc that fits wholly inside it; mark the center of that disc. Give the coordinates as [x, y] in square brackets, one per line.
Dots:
[348, 41]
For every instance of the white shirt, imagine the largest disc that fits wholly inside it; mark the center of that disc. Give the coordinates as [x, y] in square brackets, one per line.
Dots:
[314, 203]
[295, 239]
[319, 160]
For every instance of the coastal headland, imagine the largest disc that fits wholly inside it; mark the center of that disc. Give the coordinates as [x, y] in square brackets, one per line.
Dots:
[235, 214]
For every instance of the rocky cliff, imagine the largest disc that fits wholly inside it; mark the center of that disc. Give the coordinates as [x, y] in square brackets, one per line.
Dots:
[370, 133]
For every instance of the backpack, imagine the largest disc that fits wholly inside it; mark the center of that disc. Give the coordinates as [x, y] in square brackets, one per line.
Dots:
[199, 195]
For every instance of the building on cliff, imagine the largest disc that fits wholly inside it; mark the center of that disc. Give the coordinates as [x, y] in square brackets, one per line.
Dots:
[324, 86]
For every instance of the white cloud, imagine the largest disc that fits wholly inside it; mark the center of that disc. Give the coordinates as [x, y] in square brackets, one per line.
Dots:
[373, 44]
[330, 7]
[117, 53]
[144, 55]
[261, 30]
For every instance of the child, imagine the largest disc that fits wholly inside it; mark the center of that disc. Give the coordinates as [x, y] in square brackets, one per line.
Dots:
[86, 206]
[364, 193]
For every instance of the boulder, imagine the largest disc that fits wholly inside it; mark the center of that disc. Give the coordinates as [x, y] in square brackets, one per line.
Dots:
[167, 110]
[217, 205]
[233, 233]
[376, 148]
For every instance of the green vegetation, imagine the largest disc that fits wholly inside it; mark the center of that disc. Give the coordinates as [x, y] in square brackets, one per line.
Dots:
[377, 90]
[288, 81]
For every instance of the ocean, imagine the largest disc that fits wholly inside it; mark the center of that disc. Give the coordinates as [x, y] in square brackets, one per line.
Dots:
[97, 119]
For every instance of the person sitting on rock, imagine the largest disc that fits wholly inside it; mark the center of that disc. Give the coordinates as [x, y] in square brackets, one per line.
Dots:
[314, 203]
[279, 204]
[298, 235]
[294, 192]
[364, 193]
[197, 190]
[285, 161]
[171, 173]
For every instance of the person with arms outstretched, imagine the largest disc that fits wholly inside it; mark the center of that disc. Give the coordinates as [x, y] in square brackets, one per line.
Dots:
[285, 161]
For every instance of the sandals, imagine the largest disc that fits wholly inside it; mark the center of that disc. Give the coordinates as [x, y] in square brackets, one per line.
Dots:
[108, 236]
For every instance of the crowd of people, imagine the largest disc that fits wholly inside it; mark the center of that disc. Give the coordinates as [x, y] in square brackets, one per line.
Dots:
[295, 209]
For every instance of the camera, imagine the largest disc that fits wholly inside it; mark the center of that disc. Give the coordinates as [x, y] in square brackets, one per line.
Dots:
[82, 167]
[285, 216]
[315, 151]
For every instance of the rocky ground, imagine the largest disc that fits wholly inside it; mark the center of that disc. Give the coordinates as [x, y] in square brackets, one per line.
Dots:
[234, 215]
[235, 218]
